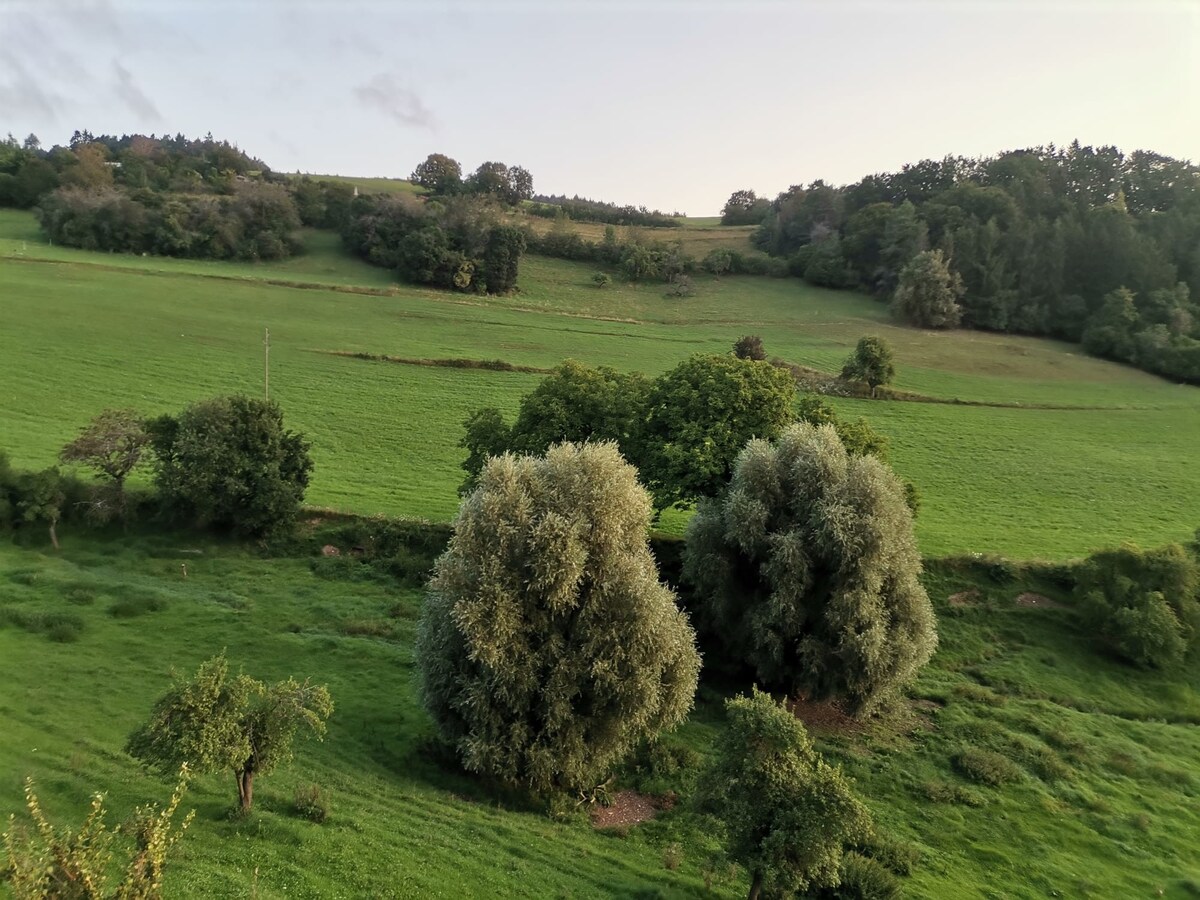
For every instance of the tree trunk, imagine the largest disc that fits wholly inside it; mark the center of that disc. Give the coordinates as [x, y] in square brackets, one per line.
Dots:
[756, 886]
[54, 533]
[245, 783]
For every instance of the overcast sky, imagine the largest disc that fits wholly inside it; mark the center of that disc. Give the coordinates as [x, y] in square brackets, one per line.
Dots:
[669, 104]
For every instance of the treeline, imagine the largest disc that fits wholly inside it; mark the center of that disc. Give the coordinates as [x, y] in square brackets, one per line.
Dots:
[460, 243]
[1061, 242]
[254, 221]
[133, 161]
[443, 177]
[580, 209]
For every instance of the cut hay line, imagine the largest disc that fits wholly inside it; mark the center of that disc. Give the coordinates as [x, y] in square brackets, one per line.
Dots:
[491, 365]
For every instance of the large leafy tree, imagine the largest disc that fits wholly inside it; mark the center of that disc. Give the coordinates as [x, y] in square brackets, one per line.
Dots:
[928, 293]
[216, 721]
[573, 403]
[698, 417]
[439, 174]
[789, 814]
[872, 362]
[230, 463]
[808, 570]
[548, 647]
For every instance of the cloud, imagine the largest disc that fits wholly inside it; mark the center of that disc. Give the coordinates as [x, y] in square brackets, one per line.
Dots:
[133, 97]
[387, 95]
[24, 93]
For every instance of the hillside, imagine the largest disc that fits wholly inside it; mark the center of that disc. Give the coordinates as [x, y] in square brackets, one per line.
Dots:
[1050, 453]
[1103, 801]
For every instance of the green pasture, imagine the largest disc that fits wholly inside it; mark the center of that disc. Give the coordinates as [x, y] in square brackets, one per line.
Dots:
[1102, 800]
[1071, 453]
[367, 185]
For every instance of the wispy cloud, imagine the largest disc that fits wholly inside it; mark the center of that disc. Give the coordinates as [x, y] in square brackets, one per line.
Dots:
[387, 95]
[133, 96]
[22, 92]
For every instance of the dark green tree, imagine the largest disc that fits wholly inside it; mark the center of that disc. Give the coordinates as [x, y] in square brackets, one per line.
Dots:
[699, 415]
[230, 463]
[438, 174]
[789, 815]
[871, 362]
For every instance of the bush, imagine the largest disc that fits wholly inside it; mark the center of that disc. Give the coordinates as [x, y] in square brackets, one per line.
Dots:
[601, 279]
[808, 570]
[548, 594]
[310, 803]
[986, 766]
[229, 463]
[137, 604]
[862, 878]
[1143, 604]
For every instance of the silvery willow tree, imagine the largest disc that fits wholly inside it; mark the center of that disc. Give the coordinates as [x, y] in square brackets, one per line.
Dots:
[807, 567]
[548, 646]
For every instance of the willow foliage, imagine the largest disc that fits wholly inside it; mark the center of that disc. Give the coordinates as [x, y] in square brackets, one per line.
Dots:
[548, 646]
[808, 568]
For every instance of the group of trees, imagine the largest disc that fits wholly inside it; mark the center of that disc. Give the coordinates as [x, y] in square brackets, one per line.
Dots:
[460, 243]
[227, 463]
[1052, 241]
[253, 221]
[443, 177]
[681, 430]
[132, 162]
[549, 647]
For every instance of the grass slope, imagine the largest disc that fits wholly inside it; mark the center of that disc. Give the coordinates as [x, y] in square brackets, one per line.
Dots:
[83, 331]
[1102, 800]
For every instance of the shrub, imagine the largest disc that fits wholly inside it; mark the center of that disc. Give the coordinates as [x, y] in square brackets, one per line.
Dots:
[310, 803]
[862, 878]
[548, 594]
[749, 346]
[136, 604]
[601, 279]
[808, 570]
[59, 863]
[1143, 604]
[986, 766]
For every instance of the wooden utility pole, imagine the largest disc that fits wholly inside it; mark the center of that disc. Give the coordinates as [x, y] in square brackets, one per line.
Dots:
[266, 363]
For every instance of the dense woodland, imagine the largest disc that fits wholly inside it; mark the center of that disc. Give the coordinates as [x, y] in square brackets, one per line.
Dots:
[1085, 244]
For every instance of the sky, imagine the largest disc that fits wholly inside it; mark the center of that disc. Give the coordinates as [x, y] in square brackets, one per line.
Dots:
[670, 104]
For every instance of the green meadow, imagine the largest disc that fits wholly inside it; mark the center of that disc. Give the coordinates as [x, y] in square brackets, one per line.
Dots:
[1042, 451]
[1026, 765]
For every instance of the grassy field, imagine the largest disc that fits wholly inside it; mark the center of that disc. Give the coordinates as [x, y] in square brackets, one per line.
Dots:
[697, 236]
[1101, 801]
[373, 185]
[1076, 454]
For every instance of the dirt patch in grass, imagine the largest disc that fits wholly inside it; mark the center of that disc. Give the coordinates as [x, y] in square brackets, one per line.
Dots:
[824, 715]
[1031, 599]
[627, 808]
[964, 598]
